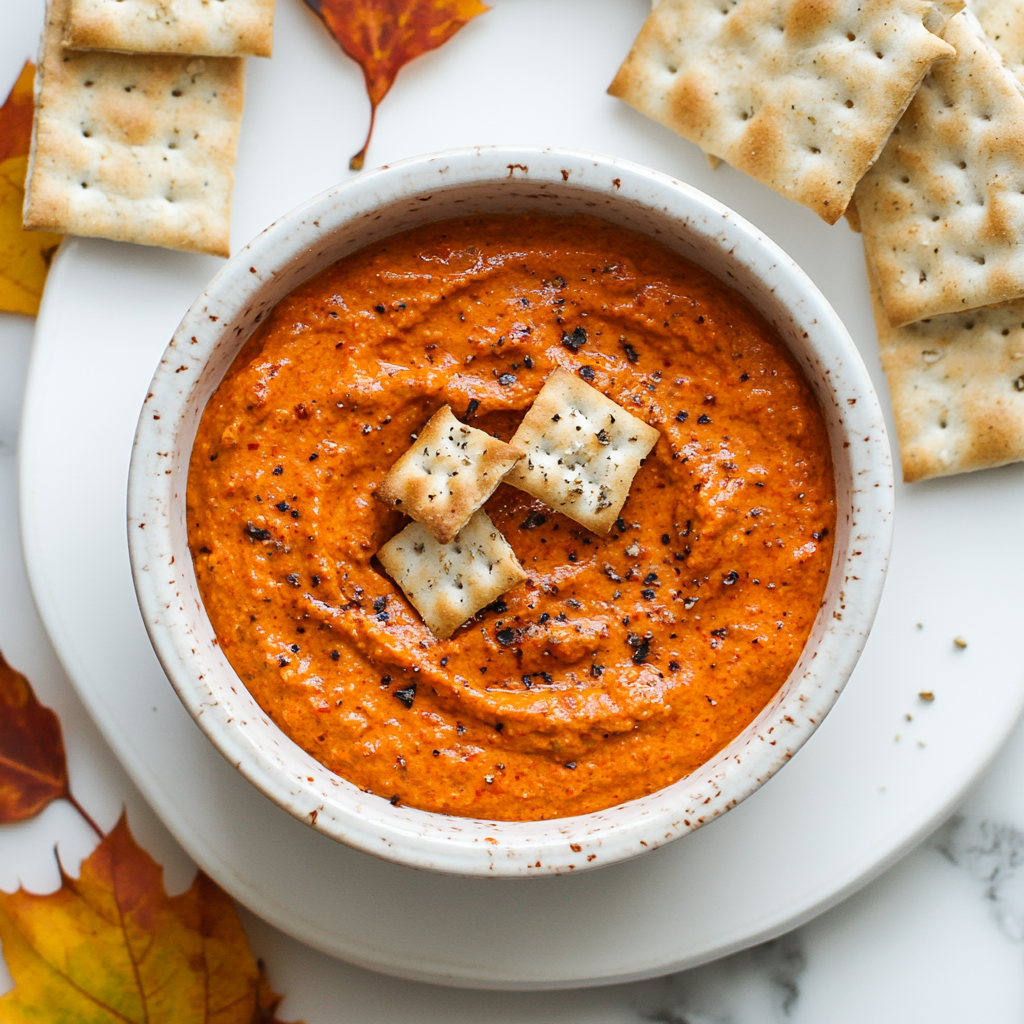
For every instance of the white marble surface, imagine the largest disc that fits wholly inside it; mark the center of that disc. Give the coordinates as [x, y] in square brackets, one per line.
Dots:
[938, 938]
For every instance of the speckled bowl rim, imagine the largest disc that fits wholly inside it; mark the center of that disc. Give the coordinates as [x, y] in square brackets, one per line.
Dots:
[379, 203]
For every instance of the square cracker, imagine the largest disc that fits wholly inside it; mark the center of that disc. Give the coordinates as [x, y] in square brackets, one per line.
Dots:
[799, 94]
[447, 474]
[134, 148]
[582, 451]
[957, 388]
[449, 583]
[222, 28]
[942, 211]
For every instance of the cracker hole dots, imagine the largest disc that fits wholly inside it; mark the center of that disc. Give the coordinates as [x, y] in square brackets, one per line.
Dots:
[962, 165]
[849, 104]
[851, 36]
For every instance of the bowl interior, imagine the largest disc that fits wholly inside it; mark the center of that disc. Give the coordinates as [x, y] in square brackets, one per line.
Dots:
[390, 200]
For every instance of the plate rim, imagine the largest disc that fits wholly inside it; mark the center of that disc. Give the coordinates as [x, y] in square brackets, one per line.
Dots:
[201, 850]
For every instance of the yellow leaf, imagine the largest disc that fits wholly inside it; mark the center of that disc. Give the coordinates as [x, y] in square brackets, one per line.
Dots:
[24, 255]
[111, 947]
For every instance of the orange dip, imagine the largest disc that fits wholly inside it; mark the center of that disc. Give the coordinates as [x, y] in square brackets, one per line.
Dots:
[625, 661]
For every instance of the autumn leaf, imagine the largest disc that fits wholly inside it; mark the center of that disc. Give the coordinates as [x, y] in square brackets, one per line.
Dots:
[267, 1000]
[24, 255]
[33, 769]
[112, 946]
[382, 36]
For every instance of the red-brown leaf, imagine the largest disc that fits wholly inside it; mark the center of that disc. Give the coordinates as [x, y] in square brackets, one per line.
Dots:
[384, 35]
[33, 770]
[16, 116]
[267, 1000]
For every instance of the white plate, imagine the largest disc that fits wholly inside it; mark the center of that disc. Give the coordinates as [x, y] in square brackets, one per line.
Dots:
[850, 803]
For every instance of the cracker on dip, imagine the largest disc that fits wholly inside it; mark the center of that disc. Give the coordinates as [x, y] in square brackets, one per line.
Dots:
[134, 148]
[957, 388]
[800, 95]
[450, 471]
[449, 583]
[582, 451]
[214, 28]
[942, 211]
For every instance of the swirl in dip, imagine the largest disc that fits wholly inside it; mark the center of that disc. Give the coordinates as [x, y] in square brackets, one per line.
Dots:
[625, 661]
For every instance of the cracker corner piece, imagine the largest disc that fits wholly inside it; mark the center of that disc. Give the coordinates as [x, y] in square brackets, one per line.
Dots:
[447, 475]
[226, 28]
[136, 148]
[941, 210]
[450, 583]
[956, 383]
[791, 92]
[582, 451]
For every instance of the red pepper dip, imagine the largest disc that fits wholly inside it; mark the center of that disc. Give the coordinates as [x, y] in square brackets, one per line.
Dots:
[625, 661]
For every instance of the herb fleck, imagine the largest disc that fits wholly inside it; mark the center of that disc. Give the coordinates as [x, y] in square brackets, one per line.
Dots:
[406, 695]
[254, 533]
[575, 341]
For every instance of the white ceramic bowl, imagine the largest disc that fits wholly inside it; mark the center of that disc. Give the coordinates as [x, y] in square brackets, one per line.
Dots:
[380, 203]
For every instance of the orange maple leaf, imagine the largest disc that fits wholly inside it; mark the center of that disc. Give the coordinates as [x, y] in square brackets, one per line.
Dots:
[382, 36]
[111, 947]
[33, 769]
[24, 255]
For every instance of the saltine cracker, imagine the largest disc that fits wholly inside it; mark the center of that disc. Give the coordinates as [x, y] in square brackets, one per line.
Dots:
[221, 28]
[582, 451]
[449, 583]
[447, 474]
[799, 94]
[957, 388]
[942, 211]
[134, 148]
